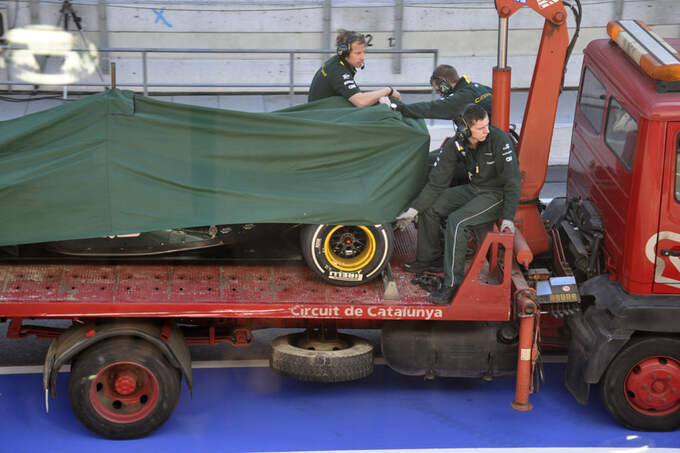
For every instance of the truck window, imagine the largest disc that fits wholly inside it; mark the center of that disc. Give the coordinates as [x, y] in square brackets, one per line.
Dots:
[620, 133]
[591, 101]
[677, 169]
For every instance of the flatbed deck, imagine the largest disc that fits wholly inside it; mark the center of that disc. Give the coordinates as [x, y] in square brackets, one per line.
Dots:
[279, 290]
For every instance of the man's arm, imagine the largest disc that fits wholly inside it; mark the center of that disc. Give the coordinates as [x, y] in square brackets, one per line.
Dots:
[444, 109]
[439, 178]
[507, 167]
[368, 98]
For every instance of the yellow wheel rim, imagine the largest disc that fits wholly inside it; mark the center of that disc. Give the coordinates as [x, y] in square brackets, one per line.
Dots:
[349, 248]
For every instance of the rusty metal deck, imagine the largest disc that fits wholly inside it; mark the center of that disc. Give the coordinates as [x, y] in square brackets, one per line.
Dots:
[289, 290]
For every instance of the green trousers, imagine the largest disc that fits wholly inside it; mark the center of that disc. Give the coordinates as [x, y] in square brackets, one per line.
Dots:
[463, 207]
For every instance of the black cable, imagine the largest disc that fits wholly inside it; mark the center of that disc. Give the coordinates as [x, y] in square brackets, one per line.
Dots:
[578, 13]
[54, 96]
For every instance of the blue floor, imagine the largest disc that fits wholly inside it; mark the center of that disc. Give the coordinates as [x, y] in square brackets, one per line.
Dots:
[252, 409]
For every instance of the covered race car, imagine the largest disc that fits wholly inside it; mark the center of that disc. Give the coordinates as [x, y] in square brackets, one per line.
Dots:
[119, 174]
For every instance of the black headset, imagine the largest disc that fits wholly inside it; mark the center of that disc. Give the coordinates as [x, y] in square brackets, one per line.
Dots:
[444, 86]
[344, 48]
[462, 130]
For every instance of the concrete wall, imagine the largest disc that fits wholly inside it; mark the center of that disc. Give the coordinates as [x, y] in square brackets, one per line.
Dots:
[463, 32]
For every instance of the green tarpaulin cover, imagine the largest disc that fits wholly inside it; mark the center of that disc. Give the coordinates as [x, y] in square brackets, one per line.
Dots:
[117, 163]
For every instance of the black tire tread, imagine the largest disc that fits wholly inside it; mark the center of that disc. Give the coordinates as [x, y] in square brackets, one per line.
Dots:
[611, 385]
[91, 360]
[355, 362]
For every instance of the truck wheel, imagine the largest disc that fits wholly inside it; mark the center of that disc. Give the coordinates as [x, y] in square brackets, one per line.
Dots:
[312, 359]
[123, 388]
[347, 255]
[641, 388]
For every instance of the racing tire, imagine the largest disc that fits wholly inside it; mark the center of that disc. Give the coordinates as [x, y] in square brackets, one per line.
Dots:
[347, 255]
[641, 387]
[123, 388]
[345, 359]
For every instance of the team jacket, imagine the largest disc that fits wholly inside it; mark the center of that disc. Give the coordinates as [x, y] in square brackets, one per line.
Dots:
[463, 93]
[491, 166]
[334, 78]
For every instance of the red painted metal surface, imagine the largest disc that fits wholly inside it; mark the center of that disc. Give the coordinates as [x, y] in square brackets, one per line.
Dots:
[245, 292]
[523, 253]
[527, 353]
[552, 10]
[124, 392]
[651, 386]
[500, 102]
[535, 139]
[627, 78]
[630, 202]
[17, 330]
[601, 177]
[658, 247]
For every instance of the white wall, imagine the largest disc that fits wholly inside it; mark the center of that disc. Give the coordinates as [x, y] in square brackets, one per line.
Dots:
[463, 32]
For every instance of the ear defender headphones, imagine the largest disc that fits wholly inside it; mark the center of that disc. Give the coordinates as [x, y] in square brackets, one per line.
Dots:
[444, 86]
[462, 130]
[344, 48]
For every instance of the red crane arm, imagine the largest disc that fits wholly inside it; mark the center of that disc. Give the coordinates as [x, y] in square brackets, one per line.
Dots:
[539, 115]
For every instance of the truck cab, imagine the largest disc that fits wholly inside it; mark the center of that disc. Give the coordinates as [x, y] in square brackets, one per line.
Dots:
[624, 154]
[624, 172]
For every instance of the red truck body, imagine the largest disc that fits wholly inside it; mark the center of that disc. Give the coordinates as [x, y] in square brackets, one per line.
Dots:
[635, 197]
[623, 169]
[615, 238]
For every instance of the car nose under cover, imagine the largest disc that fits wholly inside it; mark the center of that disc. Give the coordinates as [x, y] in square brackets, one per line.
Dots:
[116, 163]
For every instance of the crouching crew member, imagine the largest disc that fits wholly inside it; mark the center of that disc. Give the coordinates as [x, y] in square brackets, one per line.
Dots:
[336, 76]
[456, 92]
[488, 156]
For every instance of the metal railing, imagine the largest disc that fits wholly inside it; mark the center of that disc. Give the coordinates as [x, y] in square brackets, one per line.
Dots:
[291, 85]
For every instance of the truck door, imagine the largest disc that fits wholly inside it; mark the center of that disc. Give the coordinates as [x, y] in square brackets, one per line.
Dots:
[664, 249]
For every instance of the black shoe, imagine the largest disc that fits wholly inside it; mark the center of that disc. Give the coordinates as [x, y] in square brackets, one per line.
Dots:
[444, 295]
[418, 267]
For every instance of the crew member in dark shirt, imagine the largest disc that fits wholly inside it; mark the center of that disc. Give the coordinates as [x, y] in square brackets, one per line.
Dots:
[335, 77]
[488, 156]
[456, 92]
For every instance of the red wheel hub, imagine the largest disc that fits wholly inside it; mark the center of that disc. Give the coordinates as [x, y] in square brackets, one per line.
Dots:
[124, 392]
[125, 383]
[653, 386]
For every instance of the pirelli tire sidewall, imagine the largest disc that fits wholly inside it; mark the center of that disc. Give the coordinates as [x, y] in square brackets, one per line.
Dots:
[315, 249]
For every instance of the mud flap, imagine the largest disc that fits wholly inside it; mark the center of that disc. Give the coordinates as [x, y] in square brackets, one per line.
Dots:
[576, 365]
[595, 341]
[166, 337]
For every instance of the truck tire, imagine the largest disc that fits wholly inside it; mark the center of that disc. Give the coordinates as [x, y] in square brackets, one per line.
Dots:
[345, 359]
[123, 388]
[347, 255]
[641, 387]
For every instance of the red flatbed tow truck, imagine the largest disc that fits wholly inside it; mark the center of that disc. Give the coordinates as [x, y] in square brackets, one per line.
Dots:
[175, 305]
[606, 269]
